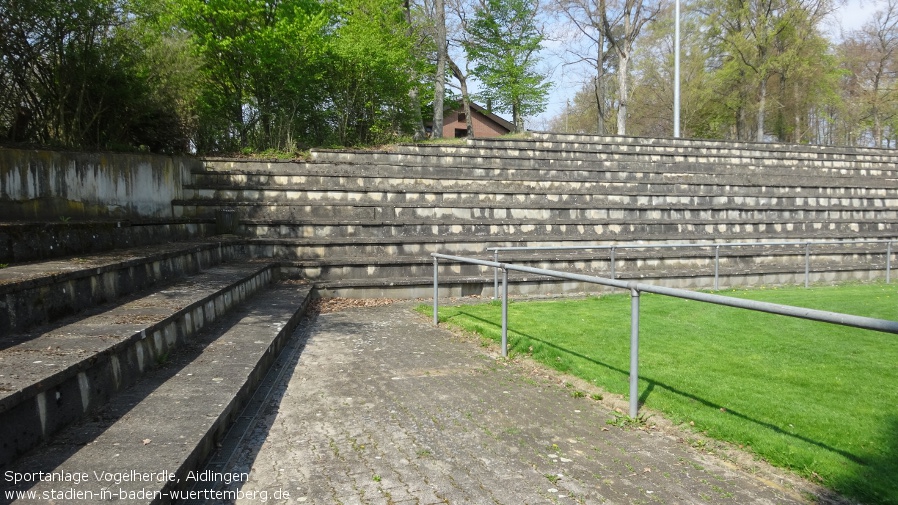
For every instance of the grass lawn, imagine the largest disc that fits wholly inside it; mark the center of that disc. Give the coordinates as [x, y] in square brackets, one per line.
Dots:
[819, 399]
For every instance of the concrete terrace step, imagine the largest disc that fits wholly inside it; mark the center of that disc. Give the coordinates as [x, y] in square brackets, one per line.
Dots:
[587, 217]
[596, 262]
[690, 277]
[170, 421]
[499, 192]
[701, 146]
[751, 209]
[652, 153]
[38, 293]
[53, 376]
[392, 247]
[592, 143]
[465, 158]
[442, 167]
[556, 229]
[34, 241]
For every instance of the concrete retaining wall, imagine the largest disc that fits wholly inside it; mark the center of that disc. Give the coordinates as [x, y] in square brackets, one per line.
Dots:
[49, 185]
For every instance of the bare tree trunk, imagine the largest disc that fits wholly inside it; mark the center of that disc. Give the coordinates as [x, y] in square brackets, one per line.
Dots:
[466, 101]
[517, 118]
[414, 93]
[600, 86]
[624, 92]
[440, 85]
[762, 103]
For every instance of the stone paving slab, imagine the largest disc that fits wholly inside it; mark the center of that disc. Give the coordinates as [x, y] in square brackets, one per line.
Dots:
[381, 407]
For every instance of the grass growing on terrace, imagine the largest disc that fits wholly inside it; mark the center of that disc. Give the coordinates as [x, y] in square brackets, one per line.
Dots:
[817, 398]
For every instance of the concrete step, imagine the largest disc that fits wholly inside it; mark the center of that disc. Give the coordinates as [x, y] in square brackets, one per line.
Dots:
[587, 214]
[472, 157]
[22, 242]
[524, 170]
[455, 285]
[499, 193]
[374, 248]
[652, 153]
[613, 221]
[699, 146]
[53, 376]
[39, 293]
[172, 419]
[631, 262]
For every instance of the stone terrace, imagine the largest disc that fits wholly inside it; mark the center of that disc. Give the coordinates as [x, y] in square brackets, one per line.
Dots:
[364, 222]
[118, 299]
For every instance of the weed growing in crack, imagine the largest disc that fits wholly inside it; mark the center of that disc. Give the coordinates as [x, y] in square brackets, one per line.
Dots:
[625, 421]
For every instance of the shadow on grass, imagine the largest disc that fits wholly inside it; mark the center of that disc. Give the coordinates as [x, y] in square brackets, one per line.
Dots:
[652, 384]
[877, 480]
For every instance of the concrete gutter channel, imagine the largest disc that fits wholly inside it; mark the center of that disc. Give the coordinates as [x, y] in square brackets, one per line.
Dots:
[141, 447]
[53, 378]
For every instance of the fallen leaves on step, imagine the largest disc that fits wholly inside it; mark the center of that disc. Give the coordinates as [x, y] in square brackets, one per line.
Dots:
[326, 305]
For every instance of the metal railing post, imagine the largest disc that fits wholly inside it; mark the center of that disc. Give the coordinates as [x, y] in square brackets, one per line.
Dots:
[504, 313]
[889, 262]
[716, 268]
[634, 352]
[495, 275]
[807, 264]
[612, 262]
[436, 290]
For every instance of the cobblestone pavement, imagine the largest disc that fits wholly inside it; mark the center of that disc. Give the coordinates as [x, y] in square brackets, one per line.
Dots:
[382, 408]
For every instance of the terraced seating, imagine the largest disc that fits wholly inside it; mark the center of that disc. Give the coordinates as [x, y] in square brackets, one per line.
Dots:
[169, 422]
[41, 292]
[368, 219]
[105, 324]
[22, 242]
[92, 334]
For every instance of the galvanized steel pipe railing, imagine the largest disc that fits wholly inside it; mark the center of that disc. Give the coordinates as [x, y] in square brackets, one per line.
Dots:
[635, 288]
[613, 248]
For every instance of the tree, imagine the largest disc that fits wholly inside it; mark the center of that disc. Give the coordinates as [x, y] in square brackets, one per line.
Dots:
[759, 43]
[652, 86]
[503, 43]
[622, 27]
[262, 69]
[442, 48]
[370, 72]
[76, 74]
[586, 18]
[870, 57]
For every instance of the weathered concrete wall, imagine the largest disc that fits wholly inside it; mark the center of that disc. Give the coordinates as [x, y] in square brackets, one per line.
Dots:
[49, 185]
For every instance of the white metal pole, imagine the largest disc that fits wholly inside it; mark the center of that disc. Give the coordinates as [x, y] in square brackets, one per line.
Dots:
[634, 352]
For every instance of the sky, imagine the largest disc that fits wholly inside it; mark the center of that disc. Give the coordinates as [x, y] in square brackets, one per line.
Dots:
[567, 80]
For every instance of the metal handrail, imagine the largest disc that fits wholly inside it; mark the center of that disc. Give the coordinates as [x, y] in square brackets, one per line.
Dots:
[613, 248]
[635, 288]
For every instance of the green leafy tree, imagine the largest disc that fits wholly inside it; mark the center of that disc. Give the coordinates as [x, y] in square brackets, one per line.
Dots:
[503, 44]
[77, 74]
[261, 73]
[766, 51]
[371, 71]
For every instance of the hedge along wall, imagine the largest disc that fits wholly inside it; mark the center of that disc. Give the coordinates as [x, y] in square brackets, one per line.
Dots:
[51, 185]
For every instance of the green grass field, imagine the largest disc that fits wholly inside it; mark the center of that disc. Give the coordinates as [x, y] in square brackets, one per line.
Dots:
[819, 399]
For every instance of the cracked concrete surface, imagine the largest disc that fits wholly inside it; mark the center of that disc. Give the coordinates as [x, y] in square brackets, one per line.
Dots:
[382, 408]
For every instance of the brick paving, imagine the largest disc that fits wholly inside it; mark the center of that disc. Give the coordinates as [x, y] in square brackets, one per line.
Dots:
[383, 408]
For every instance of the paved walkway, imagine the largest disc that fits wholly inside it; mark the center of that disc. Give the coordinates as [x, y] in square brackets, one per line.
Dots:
[383, 408]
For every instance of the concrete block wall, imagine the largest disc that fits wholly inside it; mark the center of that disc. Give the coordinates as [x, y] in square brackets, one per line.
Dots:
[366, 221]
